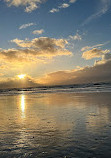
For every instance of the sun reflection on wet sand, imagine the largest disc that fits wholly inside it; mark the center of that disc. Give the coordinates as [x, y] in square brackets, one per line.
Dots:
[48, 125]
[22, 105]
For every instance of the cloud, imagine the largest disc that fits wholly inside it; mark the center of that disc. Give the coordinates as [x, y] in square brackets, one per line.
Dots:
[90, 47]
[76, 37]
[29, 5]
[24, 26]
[43, 43]
[106, 57]
[86, 48]
[72, 1]
[15, 82]
[62, 6]
[38, 32]
[35, 50]
[102, 9]
[53, 10]
[1, 74]
[94, 53]
[99, 72]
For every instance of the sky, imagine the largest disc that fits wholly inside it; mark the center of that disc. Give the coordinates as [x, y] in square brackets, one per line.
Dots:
[53, 42]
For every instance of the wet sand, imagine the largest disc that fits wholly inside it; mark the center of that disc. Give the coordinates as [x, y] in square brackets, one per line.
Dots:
[62, 125]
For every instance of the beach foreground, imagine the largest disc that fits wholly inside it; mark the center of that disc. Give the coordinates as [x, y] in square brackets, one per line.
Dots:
[55, 125]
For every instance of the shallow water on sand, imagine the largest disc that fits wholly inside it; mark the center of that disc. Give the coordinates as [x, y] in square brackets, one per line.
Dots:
[62, 125]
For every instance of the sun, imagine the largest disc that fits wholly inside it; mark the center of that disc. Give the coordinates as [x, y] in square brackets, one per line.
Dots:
[22, 76]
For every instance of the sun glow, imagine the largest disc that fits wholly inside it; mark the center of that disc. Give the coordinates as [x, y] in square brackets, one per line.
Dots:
[22, 76]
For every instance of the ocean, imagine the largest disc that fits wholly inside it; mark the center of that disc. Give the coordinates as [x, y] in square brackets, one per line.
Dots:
[77, 88]
[56, 122]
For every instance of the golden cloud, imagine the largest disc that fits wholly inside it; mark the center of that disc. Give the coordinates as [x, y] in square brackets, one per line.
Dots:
[29, 5]
[15, 82]
[35, 50]
[41, 43]
[94, 53]
[100, 72]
